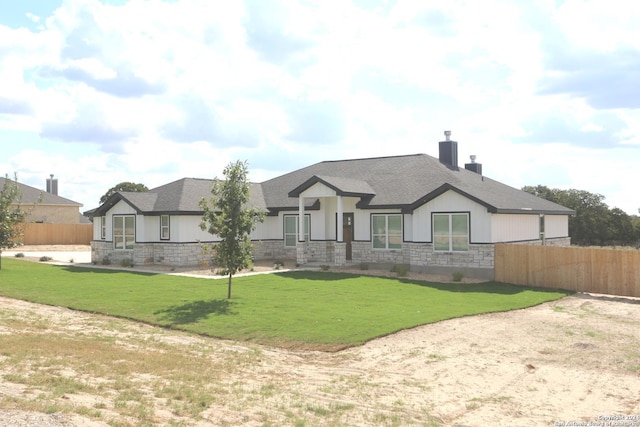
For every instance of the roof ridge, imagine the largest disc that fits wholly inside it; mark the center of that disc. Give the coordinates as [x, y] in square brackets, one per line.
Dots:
[374, 158]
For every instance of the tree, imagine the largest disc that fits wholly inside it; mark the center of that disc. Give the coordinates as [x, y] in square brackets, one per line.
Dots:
[594, 223]
[123, 186]
[10, 215]
[228, 215]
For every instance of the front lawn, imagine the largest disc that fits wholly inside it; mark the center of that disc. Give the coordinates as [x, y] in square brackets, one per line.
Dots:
[321, 310]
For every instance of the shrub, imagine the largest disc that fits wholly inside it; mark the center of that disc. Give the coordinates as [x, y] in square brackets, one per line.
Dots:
[400, 269]
[364, 266]
[19, 255]
[106, 261]
[45, 258]
[324, 267]
[125, 262]
[457, 276]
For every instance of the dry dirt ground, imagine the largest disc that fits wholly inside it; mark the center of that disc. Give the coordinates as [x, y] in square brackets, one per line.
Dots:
[575, 361]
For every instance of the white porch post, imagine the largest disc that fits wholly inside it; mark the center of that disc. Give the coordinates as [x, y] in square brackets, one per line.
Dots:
[340, 236]
[300, 244]
[339, 253]
[300, 219]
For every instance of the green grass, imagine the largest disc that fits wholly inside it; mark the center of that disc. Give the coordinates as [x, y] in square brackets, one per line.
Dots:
[322, 310]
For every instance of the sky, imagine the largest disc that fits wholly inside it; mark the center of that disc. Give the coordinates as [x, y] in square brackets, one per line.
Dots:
[97, 92]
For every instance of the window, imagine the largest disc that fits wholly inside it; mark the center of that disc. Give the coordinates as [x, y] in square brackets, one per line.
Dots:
[451, 232]
[124, 234]
[164, 227]
[103, 227]
[386, 231]
[291, 230]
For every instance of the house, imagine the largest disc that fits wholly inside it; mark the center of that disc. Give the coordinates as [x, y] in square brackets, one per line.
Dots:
[47, 206]
[416, 210]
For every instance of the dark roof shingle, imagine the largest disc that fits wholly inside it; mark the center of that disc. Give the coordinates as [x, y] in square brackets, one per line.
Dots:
[31, 195]
[404, 182]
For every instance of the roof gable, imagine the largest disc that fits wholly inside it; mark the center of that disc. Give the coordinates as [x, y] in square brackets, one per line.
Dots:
[342, 186]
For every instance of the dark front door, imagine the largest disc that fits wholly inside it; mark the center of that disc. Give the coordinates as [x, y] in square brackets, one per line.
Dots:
[347, 232]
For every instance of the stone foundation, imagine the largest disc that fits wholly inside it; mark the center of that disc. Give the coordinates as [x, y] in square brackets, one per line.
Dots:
[478, 261]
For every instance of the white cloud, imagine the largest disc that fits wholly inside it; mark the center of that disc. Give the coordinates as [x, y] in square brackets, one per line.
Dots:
[155, 90]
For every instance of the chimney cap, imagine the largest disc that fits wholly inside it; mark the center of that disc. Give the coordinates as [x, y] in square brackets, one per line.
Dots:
[473, 158]
[447, 134]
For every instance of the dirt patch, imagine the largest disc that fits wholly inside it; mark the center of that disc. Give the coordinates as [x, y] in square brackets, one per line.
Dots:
[571, 360]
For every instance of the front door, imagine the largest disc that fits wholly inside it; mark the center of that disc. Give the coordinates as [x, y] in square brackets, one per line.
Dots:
[347, 232]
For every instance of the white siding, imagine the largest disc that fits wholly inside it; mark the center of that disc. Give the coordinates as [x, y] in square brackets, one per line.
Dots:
[97, 228]
[121, 208]
[318, 190]
[556, 226]
[152, 228]
[515, 227]
[450, 201]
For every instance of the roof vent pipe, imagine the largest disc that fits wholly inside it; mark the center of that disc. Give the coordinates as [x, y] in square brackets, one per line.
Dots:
[473, 166]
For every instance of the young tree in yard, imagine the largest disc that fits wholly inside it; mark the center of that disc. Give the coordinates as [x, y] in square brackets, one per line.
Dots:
[10, 215]
[228, 216]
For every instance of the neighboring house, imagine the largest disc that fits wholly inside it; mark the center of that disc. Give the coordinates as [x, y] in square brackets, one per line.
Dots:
[46, 206]
[415, 210]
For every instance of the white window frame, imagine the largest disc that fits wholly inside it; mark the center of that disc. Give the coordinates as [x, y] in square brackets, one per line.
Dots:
[386, 236]
[103, 227]
[450, 236]
[307, 228]
[165, 227]
[119, 231]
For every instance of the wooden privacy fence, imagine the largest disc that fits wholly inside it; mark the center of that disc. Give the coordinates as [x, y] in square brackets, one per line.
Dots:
[598, 270]
[57, 234]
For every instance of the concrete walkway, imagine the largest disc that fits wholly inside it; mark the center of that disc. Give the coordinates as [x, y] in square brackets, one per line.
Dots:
[83, 259]
[60, 256]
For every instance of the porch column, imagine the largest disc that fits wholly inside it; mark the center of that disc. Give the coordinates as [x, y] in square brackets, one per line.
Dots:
[340, 237]
[339, 252]
[300, 244]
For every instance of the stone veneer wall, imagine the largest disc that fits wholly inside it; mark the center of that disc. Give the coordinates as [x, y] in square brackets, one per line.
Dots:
[477, 262]
[363, 252]
[178, 254]
[191, 254]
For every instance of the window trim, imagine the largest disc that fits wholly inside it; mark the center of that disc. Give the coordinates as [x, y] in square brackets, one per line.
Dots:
[386, 234]
[307, 221]
[123, 229]
[103, 227]
[450, 232]
[167, 227]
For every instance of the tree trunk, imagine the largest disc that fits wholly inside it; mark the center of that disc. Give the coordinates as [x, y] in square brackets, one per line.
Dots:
[229, 288]
[0, 259]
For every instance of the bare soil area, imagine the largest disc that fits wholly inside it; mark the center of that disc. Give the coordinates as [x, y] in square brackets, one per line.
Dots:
[575, 360]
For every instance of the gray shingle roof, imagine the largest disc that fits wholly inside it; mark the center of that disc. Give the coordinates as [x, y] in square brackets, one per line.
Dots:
[405, 182]
[178, 197]
[30, 195]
